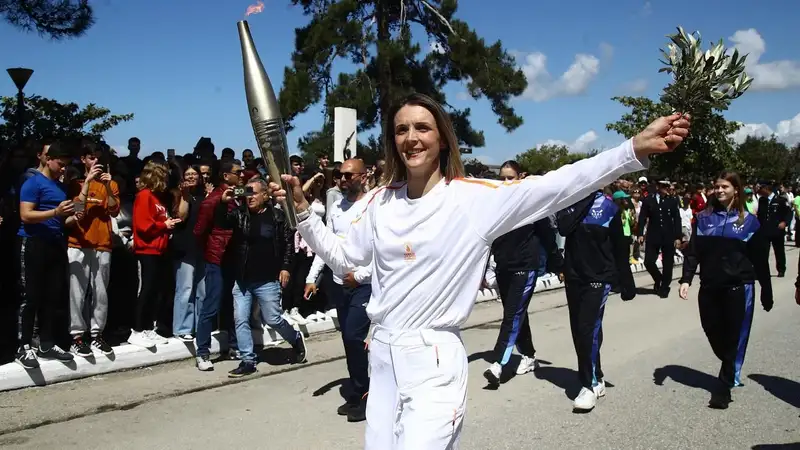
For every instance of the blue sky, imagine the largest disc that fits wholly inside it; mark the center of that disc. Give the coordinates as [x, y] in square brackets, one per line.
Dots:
[177, 65]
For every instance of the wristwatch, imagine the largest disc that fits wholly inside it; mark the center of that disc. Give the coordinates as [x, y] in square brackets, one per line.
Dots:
[303, 215]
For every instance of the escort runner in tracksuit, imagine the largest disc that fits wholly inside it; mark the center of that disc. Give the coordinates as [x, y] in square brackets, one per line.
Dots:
[517, 260]
[730, 263]
[593, 231]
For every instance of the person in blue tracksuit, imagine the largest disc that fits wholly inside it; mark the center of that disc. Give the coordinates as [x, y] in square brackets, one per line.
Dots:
[722, 245]
[593, 261]
[520, 257]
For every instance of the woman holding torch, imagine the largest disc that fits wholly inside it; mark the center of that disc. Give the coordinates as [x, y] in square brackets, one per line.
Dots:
[427, 235]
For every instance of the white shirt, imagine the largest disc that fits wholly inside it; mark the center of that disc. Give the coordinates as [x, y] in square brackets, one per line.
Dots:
[428, 254]
[341, 215]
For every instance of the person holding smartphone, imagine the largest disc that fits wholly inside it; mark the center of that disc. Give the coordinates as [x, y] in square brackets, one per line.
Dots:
[44, 211]
[96, 200]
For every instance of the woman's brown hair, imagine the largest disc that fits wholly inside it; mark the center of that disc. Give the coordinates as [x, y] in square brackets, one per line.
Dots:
[738, 188]
[154, 176]
[450, 164]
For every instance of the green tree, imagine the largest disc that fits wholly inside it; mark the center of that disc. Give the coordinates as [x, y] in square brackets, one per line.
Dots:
[474, 167]
[57, 19]
[47, 119]
[549, 157]
[375, 37]
[767, 159]
[321, 142]
[707, 151]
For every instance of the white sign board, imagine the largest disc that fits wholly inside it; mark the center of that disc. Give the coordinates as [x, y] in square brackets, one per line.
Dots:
[344, 134]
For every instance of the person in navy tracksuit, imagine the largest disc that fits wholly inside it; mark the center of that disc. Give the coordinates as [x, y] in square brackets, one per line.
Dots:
[520, 257]
[593, 261]
[730, 262]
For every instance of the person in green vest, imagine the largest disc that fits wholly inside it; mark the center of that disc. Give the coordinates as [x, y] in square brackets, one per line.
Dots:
[750, 203]
[622, 199]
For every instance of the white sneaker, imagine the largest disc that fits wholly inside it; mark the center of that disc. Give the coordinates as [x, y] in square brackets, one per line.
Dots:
[297, 317]
[288, 318]
[585, 401]
[527, 364]
[332, 314]
[204, 363]
[492, 374]
[600, 389]
[321, 316]
[139, 339]
[154, 337]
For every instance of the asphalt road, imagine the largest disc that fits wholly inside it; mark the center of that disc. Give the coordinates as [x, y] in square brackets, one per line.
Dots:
[655, 355]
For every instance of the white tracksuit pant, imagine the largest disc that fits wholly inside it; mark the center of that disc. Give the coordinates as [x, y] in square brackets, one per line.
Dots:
[418, 389]
[88, 269]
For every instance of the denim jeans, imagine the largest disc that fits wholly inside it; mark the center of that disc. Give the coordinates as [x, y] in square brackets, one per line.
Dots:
[210, 307]
[268, 296]
[190, 290]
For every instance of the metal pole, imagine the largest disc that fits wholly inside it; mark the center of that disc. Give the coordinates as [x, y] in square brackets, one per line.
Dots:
[20, 118]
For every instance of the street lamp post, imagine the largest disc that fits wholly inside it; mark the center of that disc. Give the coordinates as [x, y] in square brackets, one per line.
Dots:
[20, 78]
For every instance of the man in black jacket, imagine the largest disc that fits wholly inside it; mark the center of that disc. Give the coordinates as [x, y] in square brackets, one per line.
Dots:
[262, 251]
[774, 214]
[661, 213]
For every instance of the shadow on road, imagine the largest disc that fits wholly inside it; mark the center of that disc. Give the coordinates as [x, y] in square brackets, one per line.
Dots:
[485, 356]
[792, 446]
[341, 382]
[786, 390]
[566, 379]
[685, 376]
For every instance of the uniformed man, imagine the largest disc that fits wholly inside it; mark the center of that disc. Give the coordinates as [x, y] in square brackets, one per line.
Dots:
[661, 215]
[774, 213]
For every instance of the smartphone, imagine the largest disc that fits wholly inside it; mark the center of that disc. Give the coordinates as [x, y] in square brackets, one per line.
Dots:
[238, 191]
[79, 206]
[170, 153]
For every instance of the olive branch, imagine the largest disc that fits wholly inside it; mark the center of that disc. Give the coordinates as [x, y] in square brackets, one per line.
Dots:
[702, 81]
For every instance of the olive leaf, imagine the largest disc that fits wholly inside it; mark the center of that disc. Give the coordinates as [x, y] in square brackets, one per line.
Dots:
[702, 81]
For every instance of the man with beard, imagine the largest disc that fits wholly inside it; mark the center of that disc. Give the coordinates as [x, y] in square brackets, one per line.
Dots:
[350, 291]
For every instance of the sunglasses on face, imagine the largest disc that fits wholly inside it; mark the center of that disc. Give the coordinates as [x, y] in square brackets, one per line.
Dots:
[349, 175]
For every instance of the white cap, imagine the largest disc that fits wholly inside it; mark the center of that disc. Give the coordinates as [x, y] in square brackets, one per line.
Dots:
[643, 180]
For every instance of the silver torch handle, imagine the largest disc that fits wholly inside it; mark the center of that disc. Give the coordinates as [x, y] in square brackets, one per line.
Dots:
[271, 140]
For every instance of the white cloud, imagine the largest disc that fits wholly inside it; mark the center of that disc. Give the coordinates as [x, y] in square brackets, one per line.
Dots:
[582, 144]
[542, 86]
[636, 86]
[774, 75]
[437, 47]
[787, 131]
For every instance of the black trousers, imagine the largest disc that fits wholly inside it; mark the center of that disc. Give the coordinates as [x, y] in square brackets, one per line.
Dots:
[727, 315]
[155, 277]
[516, 291]
[587, 304]
[779, 247]
[651, 250]
[44, 294]
[351, 309]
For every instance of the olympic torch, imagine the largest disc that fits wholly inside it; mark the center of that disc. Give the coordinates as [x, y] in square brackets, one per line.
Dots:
[265, 116]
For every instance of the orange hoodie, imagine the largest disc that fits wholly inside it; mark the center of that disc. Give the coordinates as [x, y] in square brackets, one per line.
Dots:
[94, 230]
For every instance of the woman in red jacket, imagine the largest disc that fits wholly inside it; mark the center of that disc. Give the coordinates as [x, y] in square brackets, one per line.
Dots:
[152, 226]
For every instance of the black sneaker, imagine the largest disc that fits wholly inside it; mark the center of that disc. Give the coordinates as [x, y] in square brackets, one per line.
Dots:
[720, 399]
[56, 353]
[300, 350]
[347, 407]
[243, 370]
[359, 413]
[80, 347]
[26, 357]
[100, 344]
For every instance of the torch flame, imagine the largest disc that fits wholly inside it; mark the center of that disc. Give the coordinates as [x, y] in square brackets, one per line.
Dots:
[255, 9]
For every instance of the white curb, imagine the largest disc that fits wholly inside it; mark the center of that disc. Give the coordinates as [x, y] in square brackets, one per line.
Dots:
[126, 356]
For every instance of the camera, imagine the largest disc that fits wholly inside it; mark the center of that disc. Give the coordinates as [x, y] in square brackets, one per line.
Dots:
[242, 191]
